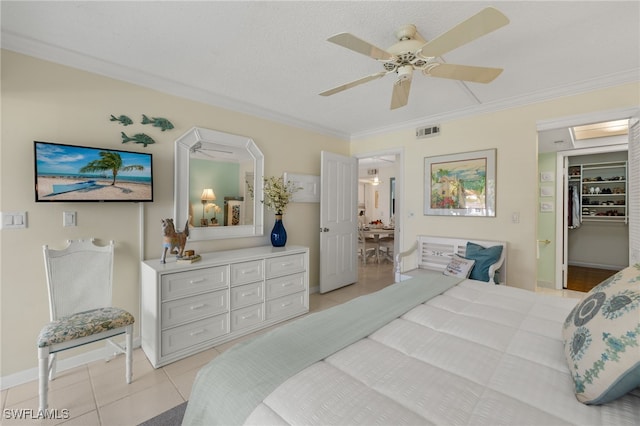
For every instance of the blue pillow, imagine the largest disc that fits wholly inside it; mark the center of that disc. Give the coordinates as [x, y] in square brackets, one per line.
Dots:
[484, 257]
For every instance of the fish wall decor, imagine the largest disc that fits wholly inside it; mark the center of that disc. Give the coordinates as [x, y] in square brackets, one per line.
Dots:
[160, 122]
[138, 138]
[123, 119]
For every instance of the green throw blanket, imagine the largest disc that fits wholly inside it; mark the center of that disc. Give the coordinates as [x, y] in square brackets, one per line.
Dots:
[229, 388]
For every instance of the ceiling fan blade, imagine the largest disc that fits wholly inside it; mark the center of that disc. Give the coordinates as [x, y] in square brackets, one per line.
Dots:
[465, 72]
[353, 83]
[352, 42]
[400, 95]
[483, 22]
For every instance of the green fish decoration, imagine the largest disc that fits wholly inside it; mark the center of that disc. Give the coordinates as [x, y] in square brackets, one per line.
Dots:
[138, 138]
[123, 119]
[160, 122]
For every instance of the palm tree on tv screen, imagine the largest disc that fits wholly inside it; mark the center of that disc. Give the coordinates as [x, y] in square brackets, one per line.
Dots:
[109, 161]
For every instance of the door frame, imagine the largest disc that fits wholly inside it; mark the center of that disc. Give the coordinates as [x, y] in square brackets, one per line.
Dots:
[562, 203]
[399, 191]
[570, 121]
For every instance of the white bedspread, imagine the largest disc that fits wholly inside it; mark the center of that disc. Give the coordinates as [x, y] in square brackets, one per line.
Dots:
[478, 354]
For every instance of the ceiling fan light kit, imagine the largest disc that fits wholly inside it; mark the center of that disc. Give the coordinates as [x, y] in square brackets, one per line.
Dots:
[413, 52]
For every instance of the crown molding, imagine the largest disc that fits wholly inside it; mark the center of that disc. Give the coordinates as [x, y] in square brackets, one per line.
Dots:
[67, 57]
[81, 61]
[611, 80]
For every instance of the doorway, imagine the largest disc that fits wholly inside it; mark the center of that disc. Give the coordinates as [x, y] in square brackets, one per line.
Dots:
[561, 244]
[597, 238]
[379, 208]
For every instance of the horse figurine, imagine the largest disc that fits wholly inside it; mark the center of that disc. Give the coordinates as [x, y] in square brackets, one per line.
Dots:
[172, 240]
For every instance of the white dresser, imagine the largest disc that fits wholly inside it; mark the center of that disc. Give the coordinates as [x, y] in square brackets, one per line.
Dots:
[187, 308]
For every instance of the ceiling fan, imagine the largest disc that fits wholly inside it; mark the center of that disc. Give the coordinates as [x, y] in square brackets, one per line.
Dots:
[413, 52]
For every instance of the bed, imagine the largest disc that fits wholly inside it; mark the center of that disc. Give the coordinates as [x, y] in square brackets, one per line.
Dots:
[433, 349]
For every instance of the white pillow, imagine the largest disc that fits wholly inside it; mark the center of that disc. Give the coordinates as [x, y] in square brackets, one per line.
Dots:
[459, 267]
[602, 339]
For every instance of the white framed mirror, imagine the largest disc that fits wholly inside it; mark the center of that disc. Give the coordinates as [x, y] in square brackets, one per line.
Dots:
[218, 185]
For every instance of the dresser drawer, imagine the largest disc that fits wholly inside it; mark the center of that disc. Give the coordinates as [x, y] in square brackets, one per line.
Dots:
[282, 286]
[286, 305]
[245, 295]
[283, 265]
[194, 307]
[193, 333]
[246, 317]
[183, 284]
[246, 272]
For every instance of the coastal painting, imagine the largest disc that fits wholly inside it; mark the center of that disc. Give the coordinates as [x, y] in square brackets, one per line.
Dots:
[460, 184]
[83, 173]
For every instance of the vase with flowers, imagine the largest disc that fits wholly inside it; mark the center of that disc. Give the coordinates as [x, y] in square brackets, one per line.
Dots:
[277, 195]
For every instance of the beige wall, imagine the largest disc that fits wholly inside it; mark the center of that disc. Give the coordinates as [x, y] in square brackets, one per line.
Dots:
[513, 133]
[49, 102]
[44, 101]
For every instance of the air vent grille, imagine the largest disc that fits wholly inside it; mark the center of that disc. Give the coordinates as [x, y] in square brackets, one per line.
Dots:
[428, 131]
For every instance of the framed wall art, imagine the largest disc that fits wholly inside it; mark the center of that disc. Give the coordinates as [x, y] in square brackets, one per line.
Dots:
[461, 184]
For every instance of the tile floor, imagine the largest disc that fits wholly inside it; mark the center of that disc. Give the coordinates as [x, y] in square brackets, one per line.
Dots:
[96, 393]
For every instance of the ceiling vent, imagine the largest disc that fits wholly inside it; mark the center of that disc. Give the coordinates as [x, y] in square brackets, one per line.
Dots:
[427, 132]
[372, 172]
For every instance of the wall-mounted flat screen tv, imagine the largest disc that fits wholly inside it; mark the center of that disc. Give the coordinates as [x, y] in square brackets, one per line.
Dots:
[71, 173]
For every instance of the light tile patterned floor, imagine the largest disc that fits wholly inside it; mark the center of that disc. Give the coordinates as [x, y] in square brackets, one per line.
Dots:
[96, 393]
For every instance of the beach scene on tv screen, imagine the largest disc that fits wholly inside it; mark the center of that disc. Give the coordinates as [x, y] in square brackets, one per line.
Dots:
[74, 173]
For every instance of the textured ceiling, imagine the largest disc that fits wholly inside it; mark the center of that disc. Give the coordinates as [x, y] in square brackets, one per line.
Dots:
[271, 59]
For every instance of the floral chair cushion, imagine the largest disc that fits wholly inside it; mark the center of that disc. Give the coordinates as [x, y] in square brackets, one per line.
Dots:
[83, 324]
[601, 339]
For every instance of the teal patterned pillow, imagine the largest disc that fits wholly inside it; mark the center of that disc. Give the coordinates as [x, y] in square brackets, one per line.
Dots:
[601, 337]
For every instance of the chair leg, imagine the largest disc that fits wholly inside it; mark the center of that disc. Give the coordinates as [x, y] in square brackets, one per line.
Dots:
[43, 377]
[53, 364]
[129, 353]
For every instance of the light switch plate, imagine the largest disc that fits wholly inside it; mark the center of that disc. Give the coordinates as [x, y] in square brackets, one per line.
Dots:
[14, 220]
[68, 219]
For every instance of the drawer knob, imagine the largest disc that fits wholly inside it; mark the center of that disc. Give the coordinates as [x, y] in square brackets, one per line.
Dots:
[286, 284]
[249, 293]
[195, 333]
[244, 317]
[198, 306]
[249, 271]
[196, 280]
[284, 305]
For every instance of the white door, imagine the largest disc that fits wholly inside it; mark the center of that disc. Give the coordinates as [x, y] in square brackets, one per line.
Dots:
[338, 221]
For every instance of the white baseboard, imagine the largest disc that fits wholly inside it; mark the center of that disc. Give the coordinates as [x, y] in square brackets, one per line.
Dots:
[597, 265]
[546, 284]
[31, 374]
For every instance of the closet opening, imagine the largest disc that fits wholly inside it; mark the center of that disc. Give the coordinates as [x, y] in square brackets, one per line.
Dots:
[589, 227]
[597, 242]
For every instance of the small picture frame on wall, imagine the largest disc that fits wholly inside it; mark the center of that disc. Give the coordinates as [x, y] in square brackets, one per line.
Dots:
[309, 187]
[546, 191]
[546, 177]
[546, 207]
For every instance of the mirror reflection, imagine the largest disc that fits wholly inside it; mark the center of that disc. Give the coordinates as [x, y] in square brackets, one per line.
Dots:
[213, 174]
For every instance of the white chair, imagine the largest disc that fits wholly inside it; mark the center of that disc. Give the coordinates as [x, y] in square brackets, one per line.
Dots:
[79, 279]
[385, 246]
[366, 246]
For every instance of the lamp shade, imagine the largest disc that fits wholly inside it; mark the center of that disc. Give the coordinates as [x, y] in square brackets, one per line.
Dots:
[208, 195]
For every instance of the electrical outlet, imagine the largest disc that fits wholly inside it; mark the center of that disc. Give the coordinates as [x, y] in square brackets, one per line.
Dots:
[515, 217]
